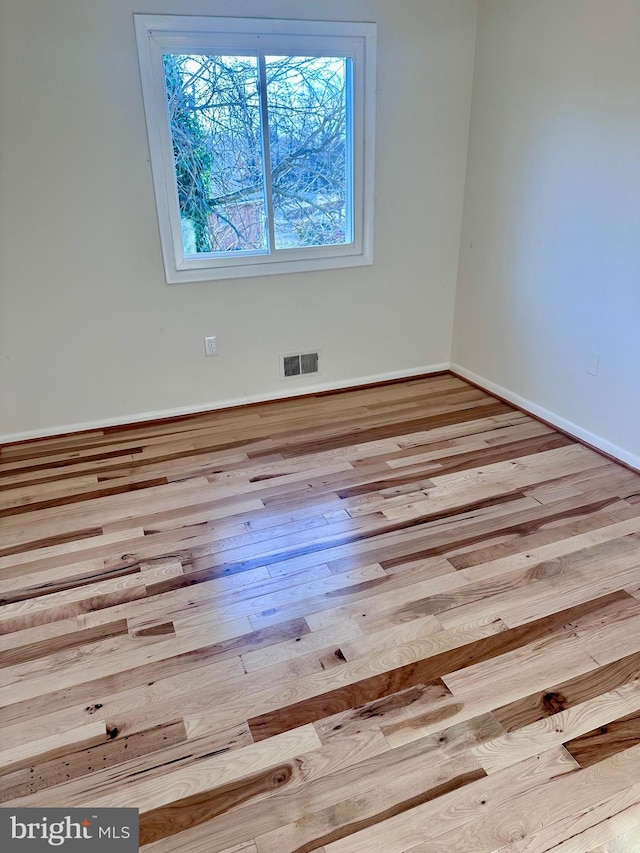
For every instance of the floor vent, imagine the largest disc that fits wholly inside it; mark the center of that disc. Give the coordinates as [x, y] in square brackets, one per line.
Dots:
[300, 365]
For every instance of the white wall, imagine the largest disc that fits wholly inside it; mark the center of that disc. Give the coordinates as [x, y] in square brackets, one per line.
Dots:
[550, 251]
[90, 331]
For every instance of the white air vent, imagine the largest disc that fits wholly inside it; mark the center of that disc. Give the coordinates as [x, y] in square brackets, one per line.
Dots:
[299, 364]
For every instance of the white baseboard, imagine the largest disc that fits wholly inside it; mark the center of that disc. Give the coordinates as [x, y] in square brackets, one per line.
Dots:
[551, 417]
[544, 414]
[288, 392]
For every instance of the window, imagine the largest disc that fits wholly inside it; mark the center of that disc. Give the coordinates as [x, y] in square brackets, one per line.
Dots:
[261, 138]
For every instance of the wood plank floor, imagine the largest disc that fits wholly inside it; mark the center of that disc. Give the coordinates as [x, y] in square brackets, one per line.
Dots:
[403, 618]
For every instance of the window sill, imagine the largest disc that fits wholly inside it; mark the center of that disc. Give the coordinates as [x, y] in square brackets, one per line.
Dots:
[199, 270]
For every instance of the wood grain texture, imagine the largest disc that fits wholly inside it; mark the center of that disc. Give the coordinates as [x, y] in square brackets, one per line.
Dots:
[402, 617]
[606, 740]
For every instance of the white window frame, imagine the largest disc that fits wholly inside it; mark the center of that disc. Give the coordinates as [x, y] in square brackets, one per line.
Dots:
[158, 34]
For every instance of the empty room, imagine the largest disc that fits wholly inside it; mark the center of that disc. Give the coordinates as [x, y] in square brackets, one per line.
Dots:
[319, 443]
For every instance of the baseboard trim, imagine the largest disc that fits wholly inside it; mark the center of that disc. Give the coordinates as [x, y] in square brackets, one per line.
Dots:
[204, 408]
[595, 442]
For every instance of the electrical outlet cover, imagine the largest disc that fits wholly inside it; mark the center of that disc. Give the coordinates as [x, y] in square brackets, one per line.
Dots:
[593, 364]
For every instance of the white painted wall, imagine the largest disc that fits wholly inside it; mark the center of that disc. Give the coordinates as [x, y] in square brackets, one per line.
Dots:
[90, 331]
[550, 251]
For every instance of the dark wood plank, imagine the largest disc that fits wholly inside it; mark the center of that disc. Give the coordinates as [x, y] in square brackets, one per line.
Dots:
[569, 693]
[605, 741]
[45, 772]
[32, 651]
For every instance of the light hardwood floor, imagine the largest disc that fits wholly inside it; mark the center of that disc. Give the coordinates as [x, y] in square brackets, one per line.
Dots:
[403, 618]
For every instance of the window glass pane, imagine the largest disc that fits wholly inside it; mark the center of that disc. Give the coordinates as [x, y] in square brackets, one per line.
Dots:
[310, 145]
[214, 114]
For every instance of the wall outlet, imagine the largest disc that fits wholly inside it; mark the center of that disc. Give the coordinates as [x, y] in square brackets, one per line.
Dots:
[593, 364]
[211, 346]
